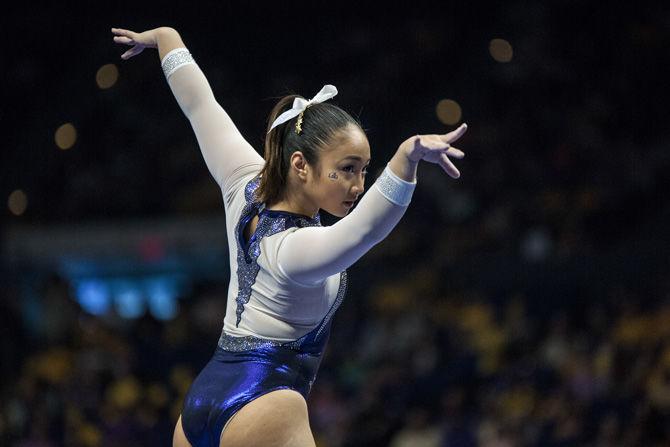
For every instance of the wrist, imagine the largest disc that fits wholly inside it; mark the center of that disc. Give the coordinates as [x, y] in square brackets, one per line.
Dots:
[167, 39]
[405, 153]
[396, 189]
[164, 32]
[403, 166]
[410, 150]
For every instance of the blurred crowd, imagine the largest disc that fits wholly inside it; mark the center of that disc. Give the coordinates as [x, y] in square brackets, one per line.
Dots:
[432, 365]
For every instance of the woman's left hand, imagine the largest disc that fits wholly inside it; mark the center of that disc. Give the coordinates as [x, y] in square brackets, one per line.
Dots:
[435, 149]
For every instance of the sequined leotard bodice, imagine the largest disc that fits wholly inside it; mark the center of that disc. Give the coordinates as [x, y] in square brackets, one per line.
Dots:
[270, 223]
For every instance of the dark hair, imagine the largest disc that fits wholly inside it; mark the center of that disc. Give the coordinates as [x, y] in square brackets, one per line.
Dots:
[321, 123]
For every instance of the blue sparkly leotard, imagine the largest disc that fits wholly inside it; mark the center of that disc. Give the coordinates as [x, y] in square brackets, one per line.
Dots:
[244, 368]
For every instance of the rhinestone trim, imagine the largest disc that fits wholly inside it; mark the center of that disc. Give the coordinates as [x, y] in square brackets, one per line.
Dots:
[394, 188]
[176, 59]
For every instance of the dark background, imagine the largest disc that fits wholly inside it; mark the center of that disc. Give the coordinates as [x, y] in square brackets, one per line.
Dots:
[526, 303]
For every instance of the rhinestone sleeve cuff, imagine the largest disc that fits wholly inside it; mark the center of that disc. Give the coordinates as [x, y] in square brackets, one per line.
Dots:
[394, 188]
[176, 59]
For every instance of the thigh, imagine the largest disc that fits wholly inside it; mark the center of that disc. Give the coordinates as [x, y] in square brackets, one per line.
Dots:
[276, 419]
[179, 438]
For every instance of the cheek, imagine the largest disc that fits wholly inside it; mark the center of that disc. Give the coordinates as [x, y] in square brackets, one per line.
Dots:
[332, 190]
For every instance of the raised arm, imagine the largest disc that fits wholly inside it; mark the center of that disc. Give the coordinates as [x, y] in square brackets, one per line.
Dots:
[337, 247]
[222, 145]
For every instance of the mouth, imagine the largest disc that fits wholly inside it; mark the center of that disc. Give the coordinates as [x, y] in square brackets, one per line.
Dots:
[348, 203]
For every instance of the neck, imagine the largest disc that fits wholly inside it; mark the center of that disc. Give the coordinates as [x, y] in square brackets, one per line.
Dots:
[294, 199]
[294, 206]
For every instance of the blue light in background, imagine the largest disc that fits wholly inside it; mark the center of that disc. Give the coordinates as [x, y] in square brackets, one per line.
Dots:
[131, 296]
[128, 299]
[162, 294]
[93, 295]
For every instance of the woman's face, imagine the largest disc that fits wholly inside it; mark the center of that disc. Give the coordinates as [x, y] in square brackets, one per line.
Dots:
[340, 176]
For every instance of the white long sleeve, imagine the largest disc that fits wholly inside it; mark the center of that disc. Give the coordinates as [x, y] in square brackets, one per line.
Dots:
[222, 145]
[314, 253]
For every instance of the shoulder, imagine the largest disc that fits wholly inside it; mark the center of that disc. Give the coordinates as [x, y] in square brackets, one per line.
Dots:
[244, 178]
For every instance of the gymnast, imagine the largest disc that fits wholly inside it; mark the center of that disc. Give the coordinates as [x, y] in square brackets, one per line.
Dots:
[287, 271]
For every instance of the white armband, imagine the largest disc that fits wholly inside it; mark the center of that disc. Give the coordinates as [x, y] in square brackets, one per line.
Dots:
[394, 188]
[176, 59]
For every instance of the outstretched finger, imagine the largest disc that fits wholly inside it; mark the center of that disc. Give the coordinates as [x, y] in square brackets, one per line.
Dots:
[134, 51]
[455, 134]
[432, 142]
[122, 32]
[453, 152]
[448, 166]
[124, 39]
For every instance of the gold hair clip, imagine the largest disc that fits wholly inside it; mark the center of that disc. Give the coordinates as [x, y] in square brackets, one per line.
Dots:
[298, 124]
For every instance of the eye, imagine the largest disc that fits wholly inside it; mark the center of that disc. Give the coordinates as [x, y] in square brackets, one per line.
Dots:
[351, 169]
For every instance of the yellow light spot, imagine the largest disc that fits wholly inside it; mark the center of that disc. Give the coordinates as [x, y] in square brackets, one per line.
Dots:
[66, 136]
[501, 50]
[107, 76]
[17, 202]
[448, 111]
[124, 393]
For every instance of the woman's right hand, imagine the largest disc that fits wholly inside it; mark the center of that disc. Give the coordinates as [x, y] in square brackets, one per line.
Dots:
[140, 41]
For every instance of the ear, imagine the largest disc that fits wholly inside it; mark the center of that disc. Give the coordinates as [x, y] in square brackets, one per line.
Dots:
[299, 165]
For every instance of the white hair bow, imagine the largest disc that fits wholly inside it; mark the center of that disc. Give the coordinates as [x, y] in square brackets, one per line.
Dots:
[300, 104]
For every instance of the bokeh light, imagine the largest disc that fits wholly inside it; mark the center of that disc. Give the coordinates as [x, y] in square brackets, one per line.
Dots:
[448, 111]
[66, 136]
[93, 295]
[107, 76]
[128, 299]
[501, 50]
[17, 202]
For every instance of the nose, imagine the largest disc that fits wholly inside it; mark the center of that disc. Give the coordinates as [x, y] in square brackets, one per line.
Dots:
[359, 187]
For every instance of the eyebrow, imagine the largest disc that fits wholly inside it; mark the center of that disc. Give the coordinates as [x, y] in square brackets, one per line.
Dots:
[355, 157]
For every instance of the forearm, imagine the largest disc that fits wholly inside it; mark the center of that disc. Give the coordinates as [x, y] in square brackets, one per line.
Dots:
[402, 166]
[343, 243]
[167, 39]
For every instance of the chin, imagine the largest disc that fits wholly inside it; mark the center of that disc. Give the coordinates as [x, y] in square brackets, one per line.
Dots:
[337, 212]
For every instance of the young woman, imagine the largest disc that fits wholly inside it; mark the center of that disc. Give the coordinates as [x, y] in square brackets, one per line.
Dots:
[287, 271]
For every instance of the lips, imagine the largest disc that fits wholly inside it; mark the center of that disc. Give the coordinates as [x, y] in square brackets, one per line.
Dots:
[349, 203]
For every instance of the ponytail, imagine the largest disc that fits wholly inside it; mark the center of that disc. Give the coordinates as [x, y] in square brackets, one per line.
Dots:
[275, 172]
